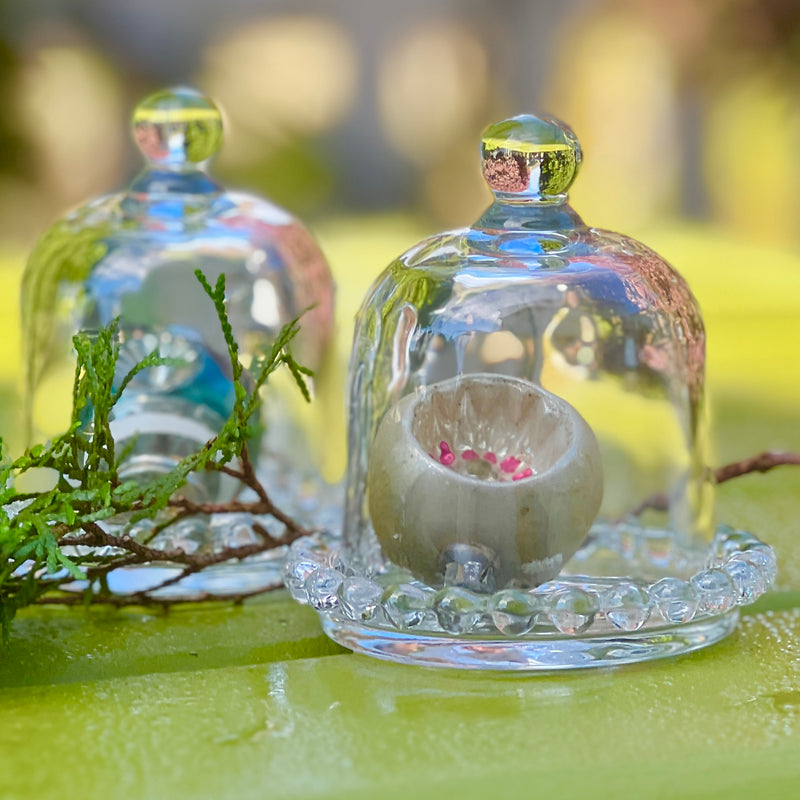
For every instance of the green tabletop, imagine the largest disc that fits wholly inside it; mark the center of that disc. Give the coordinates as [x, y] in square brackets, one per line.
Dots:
[252, 701]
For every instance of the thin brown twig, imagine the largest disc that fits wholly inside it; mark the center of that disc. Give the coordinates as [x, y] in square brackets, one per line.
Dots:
[763, 462]
[257, 507]
[249, 478]
[144, 599]
[145, 554]
[135, 552]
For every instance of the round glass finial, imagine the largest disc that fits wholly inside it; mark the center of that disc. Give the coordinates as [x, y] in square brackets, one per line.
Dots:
[176, 127]
[530, 157]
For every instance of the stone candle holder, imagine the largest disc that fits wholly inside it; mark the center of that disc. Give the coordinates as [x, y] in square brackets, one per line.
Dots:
[483, 481]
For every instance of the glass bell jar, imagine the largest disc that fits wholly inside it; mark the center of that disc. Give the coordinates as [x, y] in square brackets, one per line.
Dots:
[528, 484]
[133, 255]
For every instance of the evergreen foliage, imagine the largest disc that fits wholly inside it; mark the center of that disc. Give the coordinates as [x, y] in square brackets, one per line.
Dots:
[52, 536]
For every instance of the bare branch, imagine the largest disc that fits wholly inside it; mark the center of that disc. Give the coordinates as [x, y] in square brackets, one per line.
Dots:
[143, 599]
[763, 462]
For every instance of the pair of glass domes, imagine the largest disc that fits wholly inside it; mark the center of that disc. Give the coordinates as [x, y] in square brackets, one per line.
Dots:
[527, 484]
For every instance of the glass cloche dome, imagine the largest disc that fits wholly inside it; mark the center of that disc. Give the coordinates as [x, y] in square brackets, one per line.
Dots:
[528, 484]
[133, 255]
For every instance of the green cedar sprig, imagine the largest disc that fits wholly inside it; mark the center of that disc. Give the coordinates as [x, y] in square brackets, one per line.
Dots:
[36, 528]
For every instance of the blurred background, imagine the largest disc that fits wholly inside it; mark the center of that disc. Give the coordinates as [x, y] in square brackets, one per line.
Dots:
[364, 119]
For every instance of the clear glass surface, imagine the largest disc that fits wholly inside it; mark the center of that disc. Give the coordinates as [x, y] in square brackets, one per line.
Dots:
[522, 392]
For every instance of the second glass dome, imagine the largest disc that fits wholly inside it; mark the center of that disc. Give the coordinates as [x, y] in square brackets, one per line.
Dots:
[132, 256]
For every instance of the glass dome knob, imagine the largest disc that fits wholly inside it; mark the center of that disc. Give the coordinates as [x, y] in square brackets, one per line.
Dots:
[530, 158]
[177, 127]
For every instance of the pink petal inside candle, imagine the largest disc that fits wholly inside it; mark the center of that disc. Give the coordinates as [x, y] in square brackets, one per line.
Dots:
[447, 455]
[510, 464]
[495, 467]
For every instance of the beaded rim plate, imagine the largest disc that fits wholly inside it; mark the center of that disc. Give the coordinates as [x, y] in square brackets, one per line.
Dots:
[571, 622]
